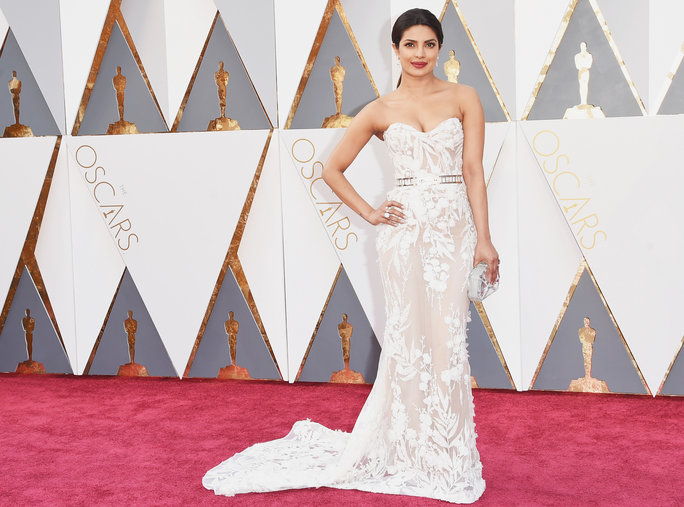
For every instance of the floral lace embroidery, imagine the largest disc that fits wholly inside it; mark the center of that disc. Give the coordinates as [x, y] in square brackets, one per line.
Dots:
[415, 434]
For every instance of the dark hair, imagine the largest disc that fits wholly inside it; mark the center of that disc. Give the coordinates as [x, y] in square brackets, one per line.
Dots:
[414, 17]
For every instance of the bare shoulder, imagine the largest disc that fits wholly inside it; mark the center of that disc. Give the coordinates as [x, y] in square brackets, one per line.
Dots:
[466, 94]
[374, 114]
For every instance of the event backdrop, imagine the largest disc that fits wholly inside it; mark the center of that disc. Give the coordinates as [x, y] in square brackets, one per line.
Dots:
[163, 211]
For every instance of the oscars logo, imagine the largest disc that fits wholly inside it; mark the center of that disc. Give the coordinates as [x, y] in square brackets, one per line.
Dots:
[588, 384]
[338, 119]
[16, 130]
[583, 62]
[131, 369]
[452, 67]
[122, 126]
[222, 77]
[233, 371]
[28, 323]
[346, 375]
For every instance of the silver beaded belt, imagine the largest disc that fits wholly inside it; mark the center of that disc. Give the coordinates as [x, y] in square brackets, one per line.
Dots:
[441, 178]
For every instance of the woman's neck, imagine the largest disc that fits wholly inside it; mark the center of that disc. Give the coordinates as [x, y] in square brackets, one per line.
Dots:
[418, 87]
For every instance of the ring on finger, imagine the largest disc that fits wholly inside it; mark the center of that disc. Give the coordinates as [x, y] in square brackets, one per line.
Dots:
[387, 214]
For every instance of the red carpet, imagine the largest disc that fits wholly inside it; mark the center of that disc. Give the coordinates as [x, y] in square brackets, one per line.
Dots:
[104, 440]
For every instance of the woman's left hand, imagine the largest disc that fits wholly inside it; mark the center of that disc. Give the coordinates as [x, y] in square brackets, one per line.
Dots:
[485, 252]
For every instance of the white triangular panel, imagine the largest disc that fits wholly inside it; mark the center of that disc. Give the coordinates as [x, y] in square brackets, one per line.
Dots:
[310, 260]
[177, 219]
[261, 253]
[53, 253]
[370, 24]
[629, 227]
[492, 25]
[631, 36]
[35, 24]
[548, 256]
[98, 266]
[81, 26]
[351, 237]
[145, 21]
[495, 135]
[537, 22]
[666, 47]
[296, 26]
[187, 27]
[242, 19]
[502, 307]
[4, 25]
[21, 184]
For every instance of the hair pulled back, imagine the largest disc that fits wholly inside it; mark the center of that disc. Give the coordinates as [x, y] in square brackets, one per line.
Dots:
[413, 17]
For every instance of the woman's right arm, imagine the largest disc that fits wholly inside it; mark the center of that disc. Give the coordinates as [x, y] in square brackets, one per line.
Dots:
[359, 132]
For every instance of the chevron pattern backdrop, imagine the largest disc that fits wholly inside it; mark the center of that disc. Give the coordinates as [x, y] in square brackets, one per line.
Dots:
[163, 211]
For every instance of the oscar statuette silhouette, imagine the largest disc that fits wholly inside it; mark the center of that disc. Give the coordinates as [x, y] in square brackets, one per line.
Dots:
[588, 384]
[28, 323]
[131, 369]
[17, 129]
[452, 67]
[346, 375]
[233, 371]
[222, 77]
[583, 61]
[338, 119]
[122, 126]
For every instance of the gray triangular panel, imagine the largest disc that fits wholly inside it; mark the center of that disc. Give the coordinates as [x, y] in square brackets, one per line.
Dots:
[112, 350]
[242, 101]
[325, 355]
[485, 365]
[213, 352]
[47, 348]
[607, 86]
[318, 97]
[34, 111]
[610, 360]
[471, 73]
[139, 105]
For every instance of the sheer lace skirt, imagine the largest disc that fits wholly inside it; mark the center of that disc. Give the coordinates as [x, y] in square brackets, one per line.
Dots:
[415, 435]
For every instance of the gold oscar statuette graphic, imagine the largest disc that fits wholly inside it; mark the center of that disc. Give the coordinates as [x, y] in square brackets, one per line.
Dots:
[222, 77]
[16, 130]
[28, 323]
[588, 384]
[473, 382]
[338, 119]
[346, 375]
[233, 371]
[452, 67]
[583, 62]
[122, 126]
[131, 369]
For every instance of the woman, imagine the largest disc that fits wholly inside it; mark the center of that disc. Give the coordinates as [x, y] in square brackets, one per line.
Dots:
[415, 434]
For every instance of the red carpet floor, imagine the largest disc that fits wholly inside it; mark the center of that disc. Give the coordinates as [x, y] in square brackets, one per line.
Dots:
[103, 440]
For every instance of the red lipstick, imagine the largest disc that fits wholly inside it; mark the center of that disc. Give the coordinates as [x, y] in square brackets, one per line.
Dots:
[419, 65]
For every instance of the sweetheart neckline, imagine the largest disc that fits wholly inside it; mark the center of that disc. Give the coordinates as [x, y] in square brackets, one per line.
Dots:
[420, 131]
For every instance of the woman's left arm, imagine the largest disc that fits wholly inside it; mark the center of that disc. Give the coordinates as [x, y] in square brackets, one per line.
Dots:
[473, 174]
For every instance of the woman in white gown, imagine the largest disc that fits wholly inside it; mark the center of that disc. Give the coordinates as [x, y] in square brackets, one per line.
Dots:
[415, 434]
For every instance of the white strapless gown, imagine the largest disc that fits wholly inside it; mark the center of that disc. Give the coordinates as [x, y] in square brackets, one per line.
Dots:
[415, 435]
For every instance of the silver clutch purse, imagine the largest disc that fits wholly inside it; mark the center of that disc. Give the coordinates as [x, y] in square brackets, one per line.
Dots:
[478, 285]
